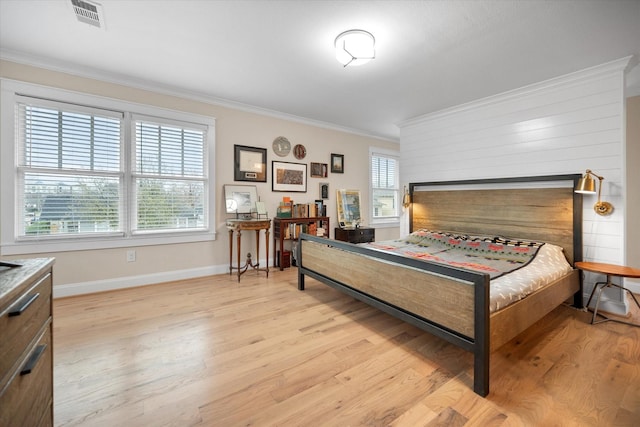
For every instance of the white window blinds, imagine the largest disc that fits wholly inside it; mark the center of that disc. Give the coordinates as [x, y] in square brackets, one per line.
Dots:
[169, 176]
[384, 187]
[74, 179]
[69, 169]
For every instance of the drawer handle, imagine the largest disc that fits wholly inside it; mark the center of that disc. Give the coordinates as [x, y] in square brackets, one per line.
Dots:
[24, 304]
[33, 359]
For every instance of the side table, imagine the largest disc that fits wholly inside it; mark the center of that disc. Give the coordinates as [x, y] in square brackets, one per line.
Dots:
[610, 270]
[238, 225]
[355, 235]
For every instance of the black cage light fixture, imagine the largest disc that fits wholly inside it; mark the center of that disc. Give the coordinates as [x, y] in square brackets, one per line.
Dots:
[587, 185]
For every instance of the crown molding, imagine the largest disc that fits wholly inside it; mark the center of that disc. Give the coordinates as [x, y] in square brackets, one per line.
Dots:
[124, 80]
[621, 66]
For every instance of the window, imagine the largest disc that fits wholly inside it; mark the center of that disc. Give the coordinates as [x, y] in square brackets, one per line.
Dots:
[68, 174]
[101, 174]
[385, 194]
[169, 177]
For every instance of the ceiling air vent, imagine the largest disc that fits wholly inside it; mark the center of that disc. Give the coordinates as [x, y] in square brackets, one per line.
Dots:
[88, 12]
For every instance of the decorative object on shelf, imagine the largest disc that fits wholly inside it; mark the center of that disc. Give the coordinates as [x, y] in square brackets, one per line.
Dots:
[261, 210]
[355, 47]
[337, 163]
[587, 185]
[299, 151]
[281, 146]
[318, 170]
[324, 190]
[291, 177]
[250, 164]
[348, 205]
[240, 199]
[406, 198]
[285, 208]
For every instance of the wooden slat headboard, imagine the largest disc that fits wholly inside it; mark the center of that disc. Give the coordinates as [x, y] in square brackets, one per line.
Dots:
[543, 208]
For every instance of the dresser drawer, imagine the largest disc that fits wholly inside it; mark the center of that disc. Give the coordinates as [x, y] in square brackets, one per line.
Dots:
[20, 321]
[27, 399]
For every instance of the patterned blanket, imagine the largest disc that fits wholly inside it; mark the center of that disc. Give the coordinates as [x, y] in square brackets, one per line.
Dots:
[495, 256]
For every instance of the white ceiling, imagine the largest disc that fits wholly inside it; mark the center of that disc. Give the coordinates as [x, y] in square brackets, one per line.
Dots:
[278, 55]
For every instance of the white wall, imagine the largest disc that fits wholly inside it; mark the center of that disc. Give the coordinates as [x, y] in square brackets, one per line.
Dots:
[104, 269]
[633, 191]
[560, 126]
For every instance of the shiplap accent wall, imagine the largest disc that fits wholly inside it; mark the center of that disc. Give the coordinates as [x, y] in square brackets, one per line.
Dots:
[560, 126]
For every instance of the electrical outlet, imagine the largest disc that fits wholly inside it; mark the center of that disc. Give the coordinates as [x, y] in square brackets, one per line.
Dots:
[131, 255]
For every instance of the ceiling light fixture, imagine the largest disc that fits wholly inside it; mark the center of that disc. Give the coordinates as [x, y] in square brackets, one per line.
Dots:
[355, 47]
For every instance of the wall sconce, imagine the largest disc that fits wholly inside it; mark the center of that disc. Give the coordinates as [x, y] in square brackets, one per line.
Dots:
[406, 198]
[355, 47]
[587, 185]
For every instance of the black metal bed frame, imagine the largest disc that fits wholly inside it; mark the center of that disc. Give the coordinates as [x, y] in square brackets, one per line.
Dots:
[479, 345]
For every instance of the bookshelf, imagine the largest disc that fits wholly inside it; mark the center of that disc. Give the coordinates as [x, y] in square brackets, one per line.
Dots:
[288, 229]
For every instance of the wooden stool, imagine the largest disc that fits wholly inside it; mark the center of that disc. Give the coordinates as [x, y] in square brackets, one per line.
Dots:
[610, 270]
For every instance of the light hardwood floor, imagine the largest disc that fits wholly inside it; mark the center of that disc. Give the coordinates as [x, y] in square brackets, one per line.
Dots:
[215, 352]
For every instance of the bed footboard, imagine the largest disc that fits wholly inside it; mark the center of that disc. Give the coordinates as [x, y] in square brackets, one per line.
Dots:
[448, 302]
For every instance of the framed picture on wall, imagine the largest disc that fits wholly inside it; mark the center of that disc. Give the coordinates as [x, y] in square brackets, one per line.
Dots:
[348, 204]
[240, 199]
[324, 190]
[250, 164]
[288, 176]
[337, 163]
[318, 170]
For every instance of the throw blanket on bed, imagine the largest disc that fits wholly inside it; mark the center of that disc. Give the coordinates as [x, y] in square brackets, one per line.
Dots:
[495, 256]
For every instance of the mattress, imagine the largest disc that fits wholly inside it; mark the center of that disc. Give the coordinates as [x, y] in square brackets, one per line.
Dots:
[517, 267]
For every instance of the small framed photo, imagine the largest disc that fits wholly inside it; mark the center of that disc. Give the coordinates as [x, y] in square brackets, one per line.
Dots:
[250, 164]
[288, 176]
[324, 190]
[318, 170]
[348, 204]
[240, 199]
[337, 163]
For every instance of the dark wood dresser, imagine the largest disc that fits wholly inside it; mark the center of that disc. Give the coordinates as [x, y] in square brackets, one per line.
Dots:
[355, 235]
[26, 354]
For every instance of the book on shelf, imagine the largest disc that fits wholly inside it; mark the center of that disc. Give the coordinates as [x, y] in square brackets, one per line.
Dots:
[289, 209]
[307, 210]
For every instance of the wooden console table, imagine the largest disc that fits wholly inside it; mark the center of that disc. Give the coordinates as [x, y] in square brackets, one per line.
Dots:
[238, 225]
[610, 270]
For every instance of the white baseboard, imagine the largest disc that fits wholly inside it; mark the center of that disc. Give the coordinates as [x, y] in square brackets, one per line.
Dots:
[633, 285]
[609, 305]
[81, 288]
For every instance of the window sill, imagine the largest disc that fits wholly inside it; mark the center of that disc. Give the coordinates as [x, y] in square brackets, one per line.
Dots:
[385, 224]
[69, 245]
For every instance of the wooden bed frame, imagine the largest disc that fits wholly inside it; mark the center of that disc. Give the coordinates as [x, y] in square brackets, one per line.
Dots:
[450, 302]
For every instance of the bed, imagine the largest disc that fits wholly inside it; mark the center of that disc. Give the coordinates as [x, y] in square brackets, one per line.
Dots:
[446, 300]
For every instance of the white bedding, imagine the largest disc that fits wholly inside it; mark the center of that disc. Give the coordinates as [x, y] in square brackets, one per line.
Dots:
[549, 265]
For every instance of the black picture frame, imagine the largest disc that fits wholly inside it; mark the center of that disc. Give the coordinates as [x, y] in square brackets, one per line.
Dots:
[324, 190]
[318, 170]
[337, 163]
[289, 177]
[250, 163]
